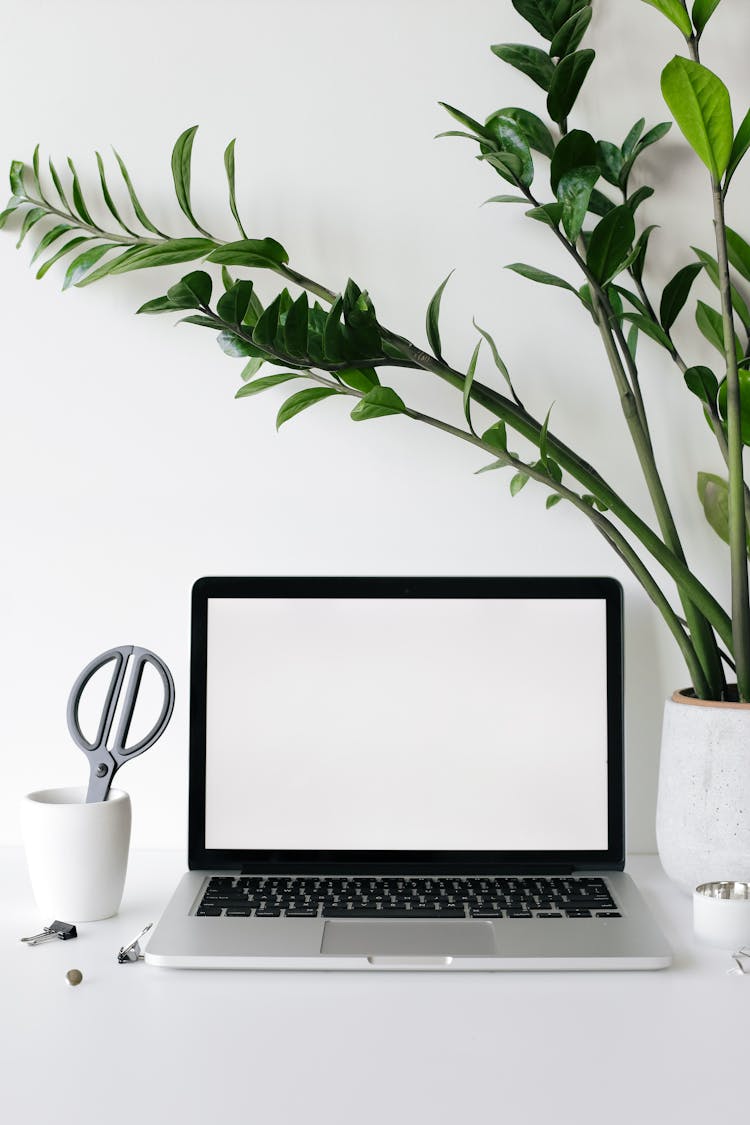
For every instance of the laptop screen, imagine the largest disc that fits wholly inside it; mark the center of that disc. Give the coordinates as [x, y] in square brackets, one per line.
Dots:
[408, 723]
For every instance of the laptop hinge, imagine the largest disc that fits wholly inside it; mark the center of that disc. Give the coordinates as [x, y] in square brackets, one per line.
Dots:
[450, 869]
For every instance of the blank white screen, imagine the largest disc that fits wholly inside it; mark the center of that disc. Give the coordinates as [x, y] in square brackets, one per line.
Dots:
[406, 724]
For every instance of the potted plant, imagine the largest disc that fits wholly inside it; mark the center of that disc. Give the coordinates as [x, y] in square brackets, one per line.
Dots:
[333, 345]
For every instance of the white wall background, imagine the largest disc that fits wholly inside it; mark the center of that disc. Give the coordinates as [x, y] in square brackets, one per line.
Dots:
[128, 470]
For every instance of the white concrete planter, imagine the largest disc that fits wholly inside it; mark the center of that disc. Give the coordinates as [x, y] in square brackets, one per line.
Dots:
[703, 807]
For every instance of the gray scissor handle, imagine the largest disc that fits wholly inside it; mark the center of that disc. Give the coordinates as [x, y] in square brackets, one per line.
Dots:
[104, 760]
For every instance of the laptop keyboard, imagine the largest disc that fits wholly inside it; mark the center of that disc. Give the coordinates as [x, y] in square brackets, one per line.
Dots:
[308, 896]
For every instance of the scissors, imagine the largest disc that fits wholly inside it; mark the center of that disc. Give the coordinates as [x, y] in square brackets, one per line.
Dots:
[104, 760]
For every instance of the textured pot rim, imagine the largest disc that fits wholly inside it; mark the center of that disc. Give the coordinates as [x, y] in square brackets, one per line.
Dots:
[719, 704]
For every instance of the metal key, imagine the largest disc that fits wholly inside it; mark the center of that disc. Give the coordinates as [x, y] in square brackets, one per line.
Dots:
[61, 930]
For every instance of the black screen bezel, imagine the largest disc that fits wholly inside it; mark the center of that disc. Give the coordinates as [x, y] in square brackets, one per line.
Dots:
[407, 862]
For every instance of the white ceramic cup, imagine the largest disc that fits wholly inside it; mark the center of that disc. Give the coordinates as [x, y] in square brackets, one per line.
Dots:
[77, 853]
[721, 914]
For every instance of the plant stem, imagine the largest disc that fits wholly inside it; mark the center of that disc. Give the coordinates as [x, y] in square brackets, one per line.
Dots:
[737, 525]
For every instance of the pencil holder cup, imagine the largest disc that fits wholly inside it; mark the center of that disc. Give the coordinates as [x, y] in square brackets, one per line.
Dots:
[77, 853]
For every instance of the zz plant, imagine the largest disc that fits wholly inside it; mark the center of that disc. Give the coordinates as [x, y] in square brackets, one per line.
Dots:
[580, 189]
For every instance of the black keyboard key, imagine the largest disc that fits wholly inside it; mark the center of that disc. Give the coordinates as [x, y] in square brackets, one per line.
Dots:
[578, 913]
[485, 912]
[208, 911]
[238, 911]
[548, 914]
[608, 914]
[519, 914]
[267, 912]
[301, 912]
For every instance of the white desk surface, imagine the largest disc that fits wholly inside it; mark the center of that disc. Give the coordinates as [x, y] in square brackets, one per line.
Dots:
[136, 1044]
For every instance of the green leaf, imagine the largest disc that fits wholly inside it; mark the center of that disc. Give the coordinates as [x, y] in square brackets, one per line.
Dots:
[610, 161]
[714, 496]
[570, 34]
[233, 304]
[264, 252]
[83, 263]
[203, 321]
[192, 292]
[181, 159]
[252, 367]
[499, 364]
[531, 61]
[108, 197]
[566, 83]
[610, 243]
[332, 336]
[548, 213]
[505, 199]
[676, 293]
[360, 378]
[555, 498]
[649, 327]
[433, 317]
[496, 436]
[464, 119]
[576, 150]
[264, 333]
[237, 347]
[674, 10]
[710, 323]
[158, 305]
[543, 440]
[600, 204]
[377, 403]
[141, 215]
[35, 170]
[699, 102]
[533, 129]
[61, 254]
[468, 381]
[739, 253]
[740, 146]
[173, 251]
[511, 140]
[11, 210]
[78, 201]
[30, 219]
[544, 278]
[50, 237]
[113, 265]
[295, 327]
[702, 12]
[628, 145]
[517, 482]
[703, 383]
[653, 135]
[574, 192]
[259, 385]
[17, 184]
[229, 168]
[58, 186]
[539, 13]
[711, 267]
[637, 260]
[638, 197]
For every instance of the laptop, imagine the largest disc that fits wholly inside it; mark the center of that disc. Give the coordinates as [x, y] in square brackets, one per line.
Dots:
[406, 774]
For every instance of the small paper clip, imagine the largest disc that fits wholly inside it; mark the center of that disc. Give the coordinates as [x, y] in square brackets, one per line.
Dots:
[133, 952]
[739, 959]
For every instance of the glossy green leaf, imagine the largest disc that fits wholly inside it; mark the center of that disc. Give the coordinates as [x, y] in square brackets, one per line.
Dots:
[84, 262]
[610, 160]
[721, 401]
[301, 401]
[192, 291]
[541, 276]
[432, 324]
[539, 13]
[11, 210]
[566, 83]
[711, 267]
[35, 171]
[505, 199]
[61, 254]
[237, 347]
[564, 9]
[714, 496]
[600, 204]
[517, 482]
[173, 251]
[17, 184]
[676, 293]
[251, 368]
[674, 10]
[637, 261]
[703, 383]
[650, 328]
[48, 238]
[497, 359]
[264, 252]
[638, 197]
[111, 206]
[739, 253]
[634, 135]
[360, 378]
[468, 382]
[295, 327]
[710, 323]
[571, 33]
[610, 243]
[264, 333]
[702, 12]
[576, 150]
[699, 102]
[533, 129]
[465, 120]
[633, 340]
[58, 186]
[229, 168]
[157, 305]
[203, 321]
[653, 135]
[574, 192]
[259, 385]
[496, 436]
[141, 215]
[555, 498]
[740, 145]
[233, 303]
[78, 201]
[112, 265]
[377, 403]
[181, 161]
[30, 219]
[531, 61]
[548, 213]
[510, 139]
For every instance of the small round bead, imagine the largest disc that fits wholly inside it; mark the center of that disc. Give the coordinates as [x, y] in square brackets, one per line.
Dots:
[74, 976]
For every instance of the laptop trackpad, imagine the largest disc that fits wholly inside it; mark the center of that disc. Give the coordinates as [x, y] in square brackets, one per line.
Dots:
[421, 938]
